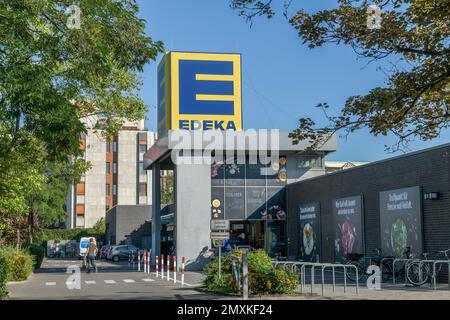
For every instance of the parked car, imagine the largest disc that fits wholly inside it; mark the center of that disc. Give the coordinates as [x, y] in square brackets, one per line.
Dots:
[122, 252]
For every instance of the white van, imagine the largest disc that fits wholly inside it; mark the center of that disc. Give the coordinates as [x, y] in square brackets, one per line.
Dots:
[84, 241]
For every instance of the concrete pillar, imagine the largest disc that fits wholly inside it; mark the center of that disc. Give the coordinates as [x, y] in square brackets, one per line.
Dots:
[192, 213]
[156, 212]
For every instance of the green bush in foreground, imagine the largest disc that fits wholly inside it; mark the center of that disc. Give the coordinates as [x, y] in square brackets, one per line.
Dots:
[263, 277]
[3, 277]
[20, 263]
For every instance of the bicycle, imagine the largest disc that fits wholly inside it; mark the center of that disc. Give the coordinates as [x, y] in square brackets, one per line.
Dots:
[418, 273]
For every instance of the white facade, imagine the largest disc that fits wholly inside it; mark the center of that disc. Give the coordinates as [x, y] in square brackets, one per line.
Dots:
[130, 185]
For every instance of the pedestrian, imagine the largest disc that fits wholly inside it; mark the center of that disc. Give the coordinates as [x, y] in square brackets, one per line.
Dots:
[91, 253]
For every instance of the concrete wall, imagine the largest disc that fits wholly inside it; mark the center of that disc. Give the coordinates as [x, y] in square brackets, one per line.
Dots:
[429, 169]
[127, 168]
[95, 202]
[129, 221]
[192, 213]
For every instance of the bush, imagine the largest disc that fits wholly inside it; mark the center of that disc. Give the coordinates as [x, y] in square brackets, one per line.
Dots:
[263, 277]
[3, 276]
[20, 263]
[44, 235]
[38, 252]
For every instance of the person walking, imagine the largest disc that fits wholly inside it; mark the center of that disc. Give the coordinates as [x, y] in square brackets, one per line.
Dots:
[91, 253]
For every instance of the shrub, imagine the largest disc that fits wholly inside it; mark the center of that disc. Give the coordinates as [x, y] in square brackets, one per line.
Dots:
[38, 252]
[4, 267]
[20, 263]
[263, 277]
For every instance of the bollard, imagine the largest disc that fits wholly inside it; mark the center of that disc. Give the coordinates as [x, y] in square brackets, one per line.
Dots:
[174, 269]
[149, 261]
[168, 267]
[145, 261]
[162, 266]
[182, 271]
[132, 260]
[157, 266]
[139, 260]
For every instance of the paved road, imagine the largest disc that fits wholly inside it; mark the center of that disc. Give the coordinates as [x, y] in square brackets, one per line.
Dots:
[113, 281]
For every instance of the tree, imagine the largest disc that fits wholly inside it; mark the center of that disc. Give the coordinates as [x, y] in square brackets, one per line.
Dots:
[167, 182]
[415, 101]
[56, 68]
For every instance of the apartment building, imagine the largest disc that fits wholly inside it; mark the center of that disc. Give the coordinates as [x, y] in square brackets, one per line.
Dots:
[117, 175]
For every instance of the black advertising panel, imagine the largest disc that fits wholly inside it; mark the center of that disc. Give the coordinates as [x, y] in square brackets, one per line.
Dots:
[217, 174]
[217, 203]
[254, 176]
[276, 204]
[310, 232]
[401, 221]
[235, 203]
[256, 202]
[348, 224]
[235, 174]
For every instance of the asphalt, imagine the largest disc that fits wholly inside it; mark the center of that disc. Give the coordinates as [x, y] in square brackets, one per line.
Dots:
[113, 281]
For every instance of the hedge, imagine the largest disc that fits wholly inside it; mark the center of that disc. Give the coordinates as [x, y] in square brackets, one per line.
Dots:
[20, 263]
[38, 252]
[264, 278]
[3, 276]
[44, 235]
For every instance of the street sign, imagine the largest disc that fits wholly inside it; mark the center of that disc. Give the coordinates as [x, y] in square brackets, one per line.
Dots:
[220, 225]
[218, 242]
[220, 235]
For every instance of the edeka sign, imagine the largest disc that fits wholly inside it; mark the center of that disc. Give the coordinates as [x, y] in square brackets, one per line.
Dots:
[199, 91]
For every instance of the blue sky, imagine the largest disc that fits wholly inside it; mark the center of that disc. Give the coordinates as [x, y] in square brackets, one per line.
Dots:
[282, 79]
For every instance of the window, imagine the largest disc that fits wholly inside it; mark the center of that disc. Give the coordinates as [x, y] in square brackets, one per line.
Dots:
[142, 189]
[108, 167]
[107, 189]
[114, 189]
[108, 146]
[115, 146]
[307, 162]
[80, 199]
[142, 148]
[114, 168]
[141, 166]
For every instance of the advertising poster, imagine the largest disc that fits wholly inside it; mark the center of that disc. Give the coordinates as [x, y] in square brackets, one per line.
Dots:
[235, 203]
[348, 224]
[401, 221]
[310, 232]
[217, 174]
[235, 174]
[276, 204]
[256, 202]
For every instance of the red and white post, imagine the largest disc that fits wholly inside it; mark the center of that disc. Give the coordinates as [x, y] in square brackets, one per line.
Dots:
[149, 261]
[174, 269]
[163, 266]
[157, 266]
[168, 267]
[145, 261]
[139, 260]
[182, 271]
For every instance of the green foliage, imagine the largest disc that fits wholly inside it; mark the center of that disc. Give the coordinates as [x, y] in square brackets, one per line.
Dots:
[44, 235]
[38, 253]
[263, 277]
[20, 263]
[415, 33]
[167, 195]
[3, 276]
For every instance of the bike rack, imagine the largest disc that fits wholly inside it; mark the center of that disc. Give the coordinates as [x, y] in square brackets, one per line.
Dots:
[406, 264]
[295, 266]
[434, 275]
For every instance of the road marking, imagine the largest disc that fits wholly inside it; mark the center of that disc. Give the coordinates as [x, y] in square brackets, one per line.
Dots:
[90, 282]
[148, 280]
[110, 281]
[128, 280]
[50, 283]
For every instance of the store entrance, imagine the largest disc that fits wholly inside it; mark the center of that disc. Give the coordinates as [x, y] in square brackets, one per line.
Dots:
[259, 234]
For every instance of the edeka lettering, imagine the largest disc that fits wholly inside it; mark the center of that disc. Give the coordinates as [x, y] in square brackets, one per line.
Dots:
[207, 125]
